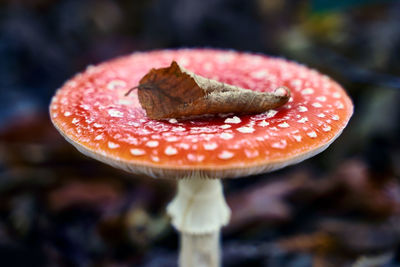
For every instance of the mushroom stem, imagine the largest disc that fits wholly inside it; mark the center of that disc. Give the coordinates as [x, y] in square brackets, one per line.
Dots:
[198, 212]
[200, 250]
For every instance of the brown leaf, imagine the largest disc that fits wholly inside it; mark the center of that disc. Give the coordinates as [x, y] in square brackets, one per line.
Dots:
[174, 92]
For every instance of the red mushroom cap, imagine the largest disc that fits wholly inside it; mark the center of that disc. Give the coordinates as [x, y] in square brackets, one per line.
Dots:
[91, 112]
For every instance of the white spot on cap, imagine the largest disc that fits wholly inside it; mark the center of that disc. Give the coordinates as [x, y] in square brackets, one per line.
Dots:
[321, 115]
[245, 129]
[321, 98]
[339, 105]
[280, 145]
[184, 146]
[171, 139]
[233, 120]
[99, 137]
[297, 138]
[226, 136]
[112, 145]
[115, 113]
[172, 121]
[170, 151]
[152, 143]
[251, 153]
[307, 91]
[284, 125]
[85, 107]
[312, 134]
[263, 123]
[225, 126]
[302, 109]
[178, 129]
[259, 74]
[75, 121]
[67, 114]
[137, 152]
[116, 84]
[97, 125]
[271, 113]
[316, 105]
[327, 128]
[195, 157]
[303, 120]
[155, 158]
[225, 155]
[210, 146]
[336, 95]
[335, 117]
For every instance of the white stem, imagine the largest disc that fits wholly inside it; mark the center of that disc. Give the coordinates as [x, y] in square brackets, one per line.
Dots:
[198, 211]
[200, 250]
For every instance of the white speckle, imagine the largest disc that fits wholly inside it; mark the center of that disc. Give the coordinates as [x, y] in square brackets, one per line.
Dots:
[336, 95]
[171, 139]
[225, 155]
[225, 126]
[75, 121]
[302, 109]
[195, 157]
[284, 125]
[99, 137]
[155, 158]
[85, 107]
[335, 117]
[115, 113]
[280, 145]
[317, 105]
[297, 138]
[307, 91]
[184, 146]
[137, 152]
[210, 146]
[97, 125]
[303, 120]
[296, 83]
[259, 74]
[321, 115]
[312, 134]
[251, 153]
[116, 84]
[263, 123]
[271, 113]
[152, 143]
[327, 128]
[234, 120]
[178, 129]
[339, 105]
[172, 121]
[67, 114]
[226, 136]
[55, 115]
[169, 151]
[112, 145]
[321, 98]
[245, 129]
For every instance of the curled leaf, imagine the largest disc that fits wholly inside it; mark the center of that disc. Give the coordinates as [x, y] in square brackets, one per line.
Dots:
[174, 92]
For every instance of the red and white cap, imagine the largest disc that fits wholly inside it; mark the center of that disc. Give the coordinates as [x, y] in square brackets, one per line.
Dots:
[92, 113]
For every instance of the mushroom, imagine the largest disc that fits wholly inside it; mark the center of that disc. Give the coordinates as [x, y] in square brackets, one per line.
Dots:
[92, 113]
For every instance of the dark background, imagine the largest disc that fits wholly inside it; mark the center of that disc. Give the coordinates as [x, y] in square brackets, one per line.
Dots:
[59, 208]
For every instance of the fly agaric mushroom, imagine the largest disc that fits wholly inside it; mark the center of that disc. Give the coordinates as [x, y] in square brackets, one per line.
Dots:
[92, 113]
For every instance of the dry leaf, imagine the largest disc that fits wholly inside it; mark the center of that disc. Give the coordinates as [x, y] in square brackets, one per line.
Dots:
[174, 92]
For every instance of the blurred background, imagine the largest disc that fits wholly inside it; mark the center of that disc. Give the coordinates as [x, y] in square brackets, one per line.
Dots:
[59, 208]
